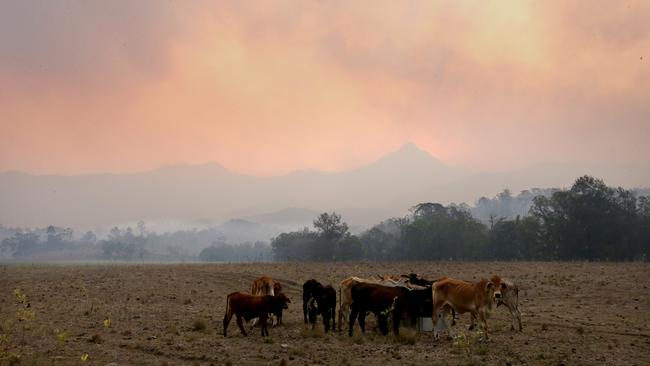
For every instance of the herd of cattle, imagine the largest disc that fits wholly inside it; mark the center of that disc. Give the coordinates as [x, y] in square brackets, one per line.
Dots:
[387, 297]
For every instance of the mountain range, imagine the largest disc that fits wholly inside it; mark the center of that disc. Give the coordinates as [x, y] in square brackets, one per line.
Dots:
[209, 193]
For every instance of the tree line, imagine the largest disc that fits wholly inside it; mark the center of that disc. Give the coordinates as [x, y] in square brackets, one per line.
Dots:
[128, 244]
[589, 221]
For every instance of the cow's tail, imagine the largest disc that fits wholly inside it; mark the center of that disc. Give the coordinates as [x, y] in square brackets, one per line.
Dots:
[228, 305]
[340, 302]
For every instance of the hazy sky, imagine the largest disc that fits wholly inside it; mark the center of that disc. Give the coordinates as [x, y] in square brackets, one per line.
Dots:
[273, 86]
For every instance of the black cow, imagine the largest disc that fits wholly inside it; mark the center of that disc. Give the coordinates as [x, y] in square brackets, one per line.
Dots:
[312, 290]
[327, 307]
[426, 306]
[415, 279]
[318, 300]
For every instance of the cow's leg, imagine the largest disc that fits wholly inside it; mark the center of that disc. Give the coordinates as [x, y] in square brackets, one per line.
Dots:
[453, 316]
[483, 319]
[362, 320]
[333, 318]
[383, 327]
[326, 320]
[472, 322]
[226, 321]
[353, 317]
[344, 310]
[304, 310]
[240, 324]
[396, 320]
[435, 318]
[264, 325]
[516, 317]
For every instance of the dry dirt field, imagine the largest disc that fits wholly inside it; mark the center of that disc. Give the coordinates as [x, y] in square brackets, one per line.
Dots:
[171, 314]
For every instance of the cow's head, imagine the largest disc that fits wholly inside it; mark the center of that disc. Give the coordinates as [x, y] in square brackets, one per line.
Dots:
[489, 289]
[499, 287]
[285, 300]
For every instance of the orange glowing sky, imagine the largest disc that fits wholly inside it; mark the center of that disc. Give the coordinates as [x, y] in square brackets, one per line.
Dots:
[273, 86]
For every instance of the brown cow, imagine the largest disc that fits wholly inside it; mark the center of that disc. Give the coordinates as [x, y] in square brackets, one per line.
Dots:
[345, 292]
[475, 298]
[509, 296]
[378, 299]
[247, 307]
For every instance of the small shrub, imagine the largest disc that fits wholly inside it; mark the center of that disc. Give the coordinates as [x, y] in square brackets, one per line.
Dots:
[267, 340]
[312, 333]
[199, 325]
[406, 338]
[62, 337]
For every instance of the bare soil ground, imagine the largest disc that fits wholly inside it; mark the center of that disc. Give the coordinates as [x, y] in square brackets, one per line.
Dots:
[573, 313]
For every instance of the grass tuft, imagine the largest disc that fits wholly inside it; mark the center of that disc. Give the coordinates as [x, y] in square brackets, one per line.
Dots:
[199, 325]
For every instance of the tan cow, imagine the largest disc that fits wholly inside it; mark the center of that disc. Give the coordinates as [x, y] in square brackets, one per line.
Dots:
[476, 298]
[509, 296]
[263, 286]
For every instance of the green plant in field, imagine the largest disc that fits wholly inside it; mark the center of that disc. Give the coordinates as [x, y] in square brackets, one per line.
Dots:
[267, 340]
[20, 296]
[11, 358]
[406, 338]
[107, 323]
[469, 344]
[24, 315]
[84, 358]
[62, 337]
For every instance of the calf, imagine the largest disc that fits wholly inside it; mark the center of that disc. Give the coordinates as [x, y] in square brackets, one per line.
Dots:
[475, 298]
[378, 299]
[247, 307]
[508, 295]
